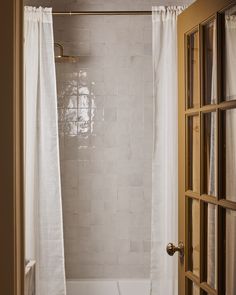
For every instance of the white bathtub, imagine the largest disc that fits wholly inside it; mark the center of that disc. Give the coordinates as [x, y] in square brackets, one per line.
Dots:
[108, 287]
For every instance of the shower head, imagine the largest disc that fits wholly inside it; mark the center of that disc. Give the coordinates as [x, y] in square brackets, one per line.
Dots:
[61, 58]
[66, 58]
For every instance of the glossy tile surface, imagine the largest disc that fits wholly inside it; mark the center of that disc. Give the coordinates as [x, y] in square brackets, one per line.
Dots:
[105, 114]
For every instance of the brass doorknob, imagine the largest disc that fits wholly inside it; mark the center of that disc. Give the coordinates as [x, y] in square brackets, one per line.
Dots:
[171, 249]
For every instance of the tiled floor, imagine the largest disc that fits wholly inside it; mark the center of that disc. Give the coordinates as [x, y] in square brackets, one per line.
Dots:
[109, 287]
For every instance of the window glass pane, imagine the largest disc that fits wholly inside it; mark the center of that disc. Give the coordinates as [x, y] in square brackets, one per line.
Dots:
[230, 54]
[212, 245]
[210, 63]
[210, 154]
[193, 70]
[193, 236]
[230, 252]
[229, 154]
[193, 153]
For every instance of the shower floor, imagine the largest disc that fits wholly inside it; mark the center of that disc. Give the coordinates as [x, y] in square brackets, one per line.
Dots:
[108, 287]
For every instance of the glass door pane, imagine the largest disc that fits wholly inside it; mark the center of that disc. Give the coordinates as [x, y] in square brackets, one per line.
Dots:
[193, 70]
[193, 153]
[212, 245]
[209, 154]
[193, 236]
[230, 54]
[229, 154]
[210, 63]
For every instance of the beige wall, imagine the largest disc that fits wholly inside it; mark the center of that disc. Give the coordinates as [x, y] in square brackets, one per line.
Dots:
[106, 143]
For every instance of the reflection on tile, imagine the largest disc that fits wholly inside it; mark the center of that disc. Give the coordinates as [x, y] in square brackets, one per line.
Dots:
[71, 115]
[70, 101]
[83, 90]
[84, 101]
[70, 128]
[84, 115]
[83, 75]
[61, 115]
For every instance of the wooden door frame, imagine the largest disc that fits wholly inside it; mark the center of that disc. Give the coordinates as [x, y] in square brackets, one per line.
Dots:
[198, 12]
[11, 130]
[11, 149]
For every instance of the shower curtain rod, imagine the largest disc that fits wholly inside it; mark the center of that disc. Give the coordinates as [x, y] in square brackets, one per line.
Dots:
[102, 12]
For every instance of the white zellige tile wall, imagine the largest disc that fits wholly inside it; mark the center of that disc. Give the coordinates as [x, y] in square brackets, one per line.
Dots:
[105, 117]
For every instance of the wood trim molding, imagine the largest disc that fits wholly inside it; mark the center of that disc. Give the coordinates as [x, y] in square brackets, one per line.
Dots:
[11, 149]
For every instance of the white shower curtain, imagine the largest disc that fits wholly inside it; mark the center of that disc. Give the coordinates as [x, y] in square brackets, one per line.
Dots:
[43, 208]
[164, 272]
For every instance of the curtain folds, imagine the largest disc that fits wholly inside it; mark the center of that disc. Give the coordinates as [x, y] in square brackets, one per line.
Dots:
[164, 273]
[43, 212]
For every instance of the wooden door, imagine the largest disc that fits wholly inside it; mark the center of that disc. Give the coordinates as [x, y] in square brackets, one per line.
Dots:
[207, 147]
